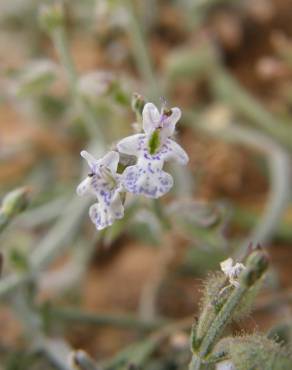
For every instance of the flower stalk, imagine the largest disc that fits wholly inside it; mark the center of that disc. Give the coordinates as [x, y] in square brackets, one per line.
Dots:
[52, 21]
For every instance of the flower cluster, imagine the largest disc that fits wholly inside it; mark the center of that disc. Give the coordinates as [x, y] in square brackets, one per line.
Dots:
[151, 148]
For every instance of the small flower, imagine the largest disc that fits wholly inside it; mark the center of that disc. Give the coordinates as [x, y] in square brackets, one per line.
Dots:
[152, 149]
[104, 183]
[225, 365]
[232, 271]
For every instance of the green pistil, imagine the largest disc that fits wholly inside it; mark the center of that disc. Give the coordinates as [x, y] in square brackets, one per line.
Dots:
[107, 175]
[154, 142]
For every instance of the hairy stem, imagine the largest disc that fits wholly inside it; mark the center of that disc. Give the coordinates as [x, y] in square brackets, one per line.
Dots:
[221, 320]
[195, 363]
[256, 265]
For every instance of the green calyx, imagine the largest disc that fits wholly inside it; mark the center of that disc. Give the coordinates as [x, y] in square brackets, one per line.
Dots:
[154, 142]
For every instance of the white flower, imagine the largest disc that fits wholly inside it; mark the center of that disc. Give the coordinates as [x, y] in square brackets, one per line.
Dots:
[232, 271]
[152, 149]
[104, 183]
[225, 365]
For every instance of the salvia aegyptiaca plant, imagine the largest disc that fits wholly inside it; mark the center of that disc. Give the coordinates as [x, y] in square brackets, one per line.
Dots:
[137, 181]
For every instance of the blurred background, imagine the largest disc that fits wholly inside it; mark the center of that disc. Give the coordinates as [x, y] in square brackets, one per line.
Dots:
[68, 74]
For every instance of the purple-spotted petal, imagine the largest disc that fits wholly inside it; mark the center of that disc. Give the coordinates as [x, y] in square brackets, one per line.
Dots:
[151, 117]
[89, 158]
[173, 151]
[99, 217]
[84, 187]
[110, 160]
[147, 181]
[116, 207]
[104, 183]
[104, 215]
[131, 145]
[169, 122]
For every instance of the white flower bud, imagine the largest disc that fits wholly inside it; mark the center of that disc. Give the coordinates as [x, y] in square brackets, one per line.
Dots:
[225, 365]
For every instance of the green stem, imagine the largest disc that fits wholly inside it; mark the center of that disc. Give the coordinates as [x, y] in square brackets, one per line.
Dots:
[141, 53]
[124, 321]
[43, 213]
[61, 234]
[138, 352]
[61, 45]
[216, 328]
[247, 219]
[195, 363]
[56, 350]
[220, 321]
[82, 361]
[12, 282]
[278, 197]
[279, 175]
[53, 244]
[4, 221]
[228, 89]
[256, 266]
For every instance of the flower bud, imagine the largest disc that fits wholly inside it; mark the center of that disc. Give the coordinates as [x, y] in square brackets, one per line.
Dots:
[79, 360]
[138, 103]
[225, 365]
[13, 203]
[51, 16]
[256, 264]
